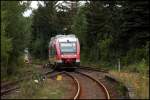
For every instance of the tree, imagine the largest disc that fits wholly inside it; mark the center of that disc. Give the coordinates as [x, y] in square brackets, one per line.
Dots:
[6, 46]
[44, 26]
[113, 29]
[80, 25]
[48, 21]
[15, 29]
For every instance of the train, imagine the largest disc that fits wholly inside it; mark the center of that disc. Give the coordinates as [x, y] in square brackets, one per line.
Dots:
[64, 51]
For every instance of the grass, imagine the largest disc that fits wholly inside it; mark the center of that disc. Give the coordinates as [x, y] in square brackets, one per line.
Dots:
[49, 89]
[40, 61]
[17, 74]
[120, 89]
[140, 82]
[135, 75]
[91, 64]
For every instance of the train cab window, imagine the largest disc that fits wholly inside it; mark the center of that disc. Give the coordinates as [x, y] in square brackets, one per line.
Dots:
[68, 47]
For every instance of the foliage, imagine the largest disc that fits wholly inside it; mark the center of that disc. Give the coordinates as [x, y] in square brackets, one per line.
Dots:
[107, 30]
[48, 22]
[43, 27]
[15, 34]
[5, 48]
[80, 27]
[138, 82]
[112, 30]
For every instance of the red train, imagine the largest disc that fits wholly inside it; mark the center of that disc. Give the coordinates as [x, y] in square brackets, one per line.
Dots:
[64, 50]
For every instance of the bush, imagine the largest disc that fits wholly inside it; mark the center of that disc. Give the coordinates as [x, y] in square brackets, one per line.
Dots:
[29, 89]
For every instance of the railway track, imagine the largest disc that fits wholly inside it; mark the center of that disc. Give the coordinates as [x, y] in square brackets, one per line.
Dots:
[74, 79]
[7, 87]
[100, 88]
[93, 69]
[81, 89]
[77, 78]
[80, 93]
[77, 84]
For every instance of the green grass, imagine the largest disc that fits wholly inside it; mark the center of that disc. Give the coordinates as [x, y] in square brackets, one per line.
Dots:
[39, 61]
[49, 89]
[120, 89]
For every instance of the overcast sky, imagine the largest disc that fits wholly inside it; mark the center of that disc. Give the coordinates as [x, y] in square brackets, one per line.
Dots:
[29, 12]
[35, 6]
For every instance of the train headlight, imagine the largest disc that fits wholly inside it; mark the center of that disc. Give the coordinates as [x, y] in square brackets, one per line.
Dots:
[59, 61]
[77, 60]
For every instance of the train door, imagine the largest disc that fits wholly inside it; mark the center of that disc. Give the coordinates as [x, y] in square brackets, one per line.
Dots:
[52, 55]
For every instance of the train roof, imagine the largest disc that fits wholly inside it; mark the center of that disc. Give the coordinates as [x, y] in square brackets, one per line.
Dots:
[63, 38]
[71, 37]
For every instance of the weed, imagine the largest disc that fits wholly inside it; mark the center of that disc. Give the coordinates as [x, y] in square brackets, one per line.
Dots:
[139, 82]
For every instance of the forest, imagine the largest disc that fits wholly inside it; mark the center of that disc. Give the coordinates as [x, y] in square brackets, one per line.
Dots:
[109, 31]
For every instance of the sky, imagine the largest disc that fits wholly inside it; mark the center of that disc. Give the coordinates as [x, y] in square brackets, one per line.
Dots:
[35, 6]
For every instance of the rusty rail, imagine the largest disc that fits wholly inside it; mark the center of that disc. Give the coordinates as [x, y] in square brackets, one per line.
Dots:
[94, 69]
[77, 85]
[98, 82]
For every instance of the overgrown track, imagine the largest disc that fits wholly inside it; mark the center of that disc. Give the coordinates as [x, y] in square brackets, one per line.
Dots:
[9, 86]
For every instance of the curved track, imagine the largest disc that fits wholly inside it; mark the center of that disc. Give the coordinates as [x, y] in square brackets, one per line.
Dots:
[75, 81]
[81, 81]
[8, 87]
[78, 78]
[78, 88]
[101, 90]
[93, 69]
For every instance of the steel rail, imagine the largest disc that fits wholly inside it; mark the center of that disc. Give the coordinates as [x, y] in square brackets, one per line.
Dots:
[77, 85]
[74, 79]
[98, 82]
[8, 90]
[5, 89]
[94, 69]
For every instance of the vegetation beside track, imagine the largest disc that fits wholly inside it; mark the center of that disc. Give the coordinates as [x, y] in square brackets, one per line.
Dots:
[23, 70]
[136, 75]
[140, 82]
[49, 89]
[39, 61]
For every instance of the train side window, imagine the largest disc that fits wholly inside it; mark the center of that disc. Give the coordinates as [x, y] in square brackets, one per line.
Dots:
[55, 52]
[52, 53]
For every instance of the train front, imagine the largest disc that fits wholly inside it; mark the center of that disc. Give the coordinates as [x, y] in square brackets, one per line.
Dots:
[69, 51]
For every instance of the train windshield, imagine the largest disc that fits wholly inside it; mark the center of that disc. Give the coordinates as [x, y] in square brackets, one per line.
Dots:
[68, 47]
